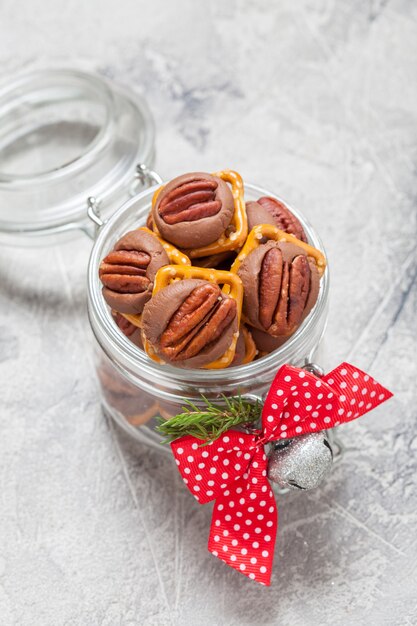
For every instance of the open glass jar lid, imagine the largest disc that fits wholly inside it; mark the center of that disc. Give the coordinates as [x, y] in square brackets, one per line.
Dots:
[67, 136]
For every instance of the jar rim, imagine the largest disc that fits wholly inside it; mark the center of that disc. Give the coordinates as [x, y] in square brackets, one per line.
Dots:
[129, 357]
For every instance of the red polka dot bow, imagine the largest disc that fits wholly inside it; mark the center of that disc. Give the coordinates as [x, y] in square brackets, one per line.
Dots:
[232, 470]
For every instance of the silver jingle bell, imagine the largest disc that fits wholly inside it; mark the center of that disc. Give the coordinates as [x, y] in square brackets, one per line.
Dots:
[302, 463]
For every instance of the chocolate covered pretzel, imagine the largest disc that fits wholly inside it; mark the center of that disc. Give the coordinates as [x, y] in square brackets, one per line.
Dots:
[190, 323]
[128, 271]
[193, 210]
[246, 349]
[267, 210]
[131, 331]
[281, 285]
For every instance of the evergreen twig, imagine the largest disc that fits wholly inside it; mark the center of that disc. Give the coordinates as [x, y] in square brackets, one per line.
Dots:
[210, 421]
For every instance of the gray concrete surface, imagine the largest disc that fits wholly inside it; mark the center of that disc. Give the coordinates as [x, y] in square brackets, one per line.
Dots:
[316, 100]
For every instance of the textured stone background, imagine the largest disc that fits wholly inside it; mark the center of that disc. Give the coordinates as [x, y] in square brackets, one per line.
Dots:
[318, 101]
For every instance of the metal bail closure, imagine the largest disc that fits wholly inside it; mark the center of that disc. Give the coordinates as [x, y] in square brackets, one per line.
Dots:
[313, 368]
[93, 212]
[144, 177]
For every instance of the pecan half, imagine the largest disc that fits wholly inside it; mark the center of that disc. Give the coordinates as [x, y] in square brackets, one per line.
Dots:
[190, 201]
[190, 322]
[193, 210]
[283, 218]
[127, 272]
[291, 294]
[199, 321]
[124, 271]
[270, 285]
[281, 286]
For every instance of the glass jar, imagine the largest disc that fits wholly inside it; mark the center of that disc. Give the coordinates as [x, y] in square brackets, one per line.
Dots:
[137, 390]
[74, 147]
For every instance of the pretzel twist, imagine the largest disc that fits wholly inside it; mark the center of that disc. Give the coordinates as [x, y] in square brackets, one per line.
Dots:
[175, 256]
[250, 347]
[136, 320]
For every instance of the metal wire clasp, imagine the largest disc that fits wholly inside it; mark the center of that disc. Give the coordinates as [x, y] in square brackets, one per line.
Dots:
[93, 211]
[313, 368]
[143, 177]
[146, 176]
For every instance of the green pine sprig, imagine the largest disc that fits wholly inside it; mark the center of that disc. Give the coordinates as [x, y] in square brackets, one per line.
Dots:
[210, 421]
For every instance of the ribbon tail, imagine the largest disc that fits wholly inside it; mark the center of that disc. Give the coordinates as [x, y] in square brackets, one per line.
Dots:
[357, 392]
[245, 522]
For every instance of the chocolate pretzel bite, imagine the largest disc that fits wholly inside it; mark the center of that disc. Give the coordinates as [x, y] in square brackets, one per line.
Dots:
[193, 210]
[281, 285]
[128, 271]
[245, 348]
[122, 396]
[190, 323]
[265, 343]
[222, 260]
[272, 211]
[131, 331]
[281, 280]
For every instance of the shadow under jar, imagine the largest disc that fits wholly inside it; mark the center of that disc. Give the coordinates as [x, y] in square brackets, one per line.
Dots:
[136, 390]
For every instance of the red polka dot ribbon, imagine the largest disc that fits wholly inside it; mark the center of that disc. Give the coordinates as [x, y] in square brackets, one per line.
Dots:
[232, 470]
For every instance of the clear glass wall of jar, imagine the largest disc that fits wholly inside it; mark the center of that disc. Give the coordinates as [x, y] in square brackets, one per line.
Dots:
[135, 389]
